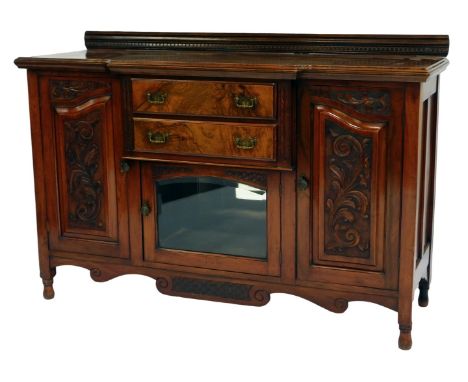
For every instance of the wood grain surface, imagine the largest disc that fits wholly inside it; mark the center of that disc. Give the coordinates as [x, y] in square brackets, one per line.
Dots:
[350, 189]
[203, 98]
[205, 138]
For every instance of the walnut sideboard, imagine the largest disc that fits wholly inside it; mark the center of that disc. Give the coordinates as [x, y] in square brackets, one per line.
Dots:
[232, 166]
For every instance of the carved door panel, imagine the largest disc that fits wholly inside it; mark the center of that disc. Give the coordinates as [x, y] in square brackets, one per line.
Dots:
[85, 192]
[349, 154]
[211, 217]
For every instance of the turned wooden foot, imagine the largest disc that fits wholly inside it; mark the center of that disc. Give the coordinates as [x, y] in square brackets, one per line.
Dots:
[48, 292]
[405, 341]
[423, 299]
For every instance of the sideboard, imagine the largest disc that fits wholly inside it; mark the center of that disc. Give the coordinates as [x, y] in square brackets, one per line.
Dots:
[232, 166]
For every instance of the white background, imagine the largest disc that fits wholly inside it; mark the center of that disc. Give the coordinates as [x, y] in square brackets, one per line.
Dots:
[124, 329]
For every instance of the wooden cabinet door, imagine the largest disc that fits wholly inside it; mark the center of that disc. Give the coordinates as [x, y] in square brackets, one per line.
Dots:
[212, 218]
[86, 196]
[350, 157]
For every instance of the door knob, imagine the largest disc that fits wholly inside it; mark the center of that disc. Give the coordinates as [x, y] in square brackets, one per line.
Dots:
[145, 209]
[302, 183]
[124, 166]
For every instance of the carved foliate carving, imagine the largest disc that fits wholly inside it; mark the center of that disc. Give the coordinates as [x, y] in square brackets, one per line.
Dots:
[67, 90]
[347, 192]
[257, 178]
[95, 273]
[364, 101]
[159, 170]
[224, 290]
[84, 170]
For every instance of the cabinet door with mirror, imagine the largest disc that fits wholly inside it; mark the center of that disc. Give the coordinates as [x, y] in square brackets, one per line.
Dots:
[211, 217]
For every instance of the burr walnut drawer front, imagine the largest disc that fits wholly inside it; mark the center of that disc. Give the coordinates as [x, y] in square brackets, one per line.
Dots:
[200, 138]
[204, 98]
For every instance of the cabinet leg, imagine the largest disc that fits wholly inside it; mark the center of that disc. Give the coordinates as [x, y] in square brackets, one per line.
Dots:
[404, 321]
[405, 341]
[47, 281]
[423, 299]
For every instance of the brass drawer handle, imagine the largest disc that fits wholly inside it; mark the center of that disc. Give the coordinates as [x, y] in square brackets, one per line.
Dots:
[245, 102]
[157, 137]
[245, 143]
[157, 98]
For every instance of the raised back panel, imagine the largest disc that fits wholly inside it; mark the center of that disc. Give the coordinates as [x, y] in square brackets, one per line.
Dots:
[435, 45]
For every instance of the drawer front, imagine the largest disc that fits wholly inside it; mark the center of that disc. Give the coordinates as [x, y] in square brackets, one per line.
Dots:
[226, 140]
[204, 98]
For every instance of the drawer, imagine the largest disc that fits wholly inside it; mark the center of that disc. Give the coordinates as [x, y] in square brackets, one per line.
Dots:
[215, 139]
[203, 98]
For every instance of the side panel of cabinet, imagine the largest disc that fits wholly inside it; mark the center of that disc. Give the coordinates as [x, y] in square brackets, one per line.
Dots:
[350, 154]
[86, 195]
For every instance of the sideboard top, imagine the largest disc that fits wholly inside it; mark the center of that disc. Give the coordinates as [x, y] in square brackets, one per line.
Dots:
[411, 58]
